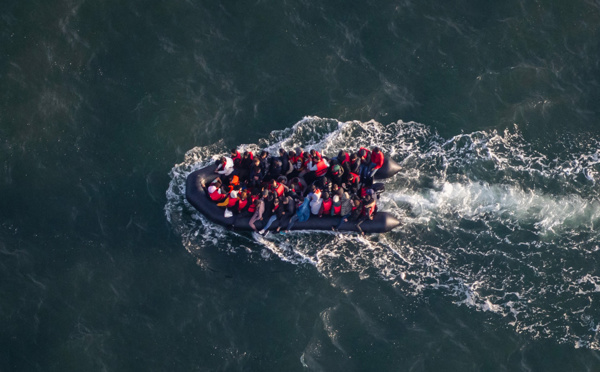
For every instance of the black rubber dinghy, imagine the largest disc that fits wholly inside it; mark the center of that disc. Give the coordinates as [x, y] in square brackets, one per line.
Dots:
[197, 196]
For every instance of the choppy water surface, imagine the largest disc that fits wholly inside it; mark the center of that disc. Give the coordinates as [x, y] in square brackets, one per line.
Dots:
[491, 108]
[488, 222]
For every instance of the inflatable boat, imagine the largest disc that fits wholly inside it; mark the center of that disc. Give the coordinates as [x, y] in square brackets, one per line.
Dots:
[197, 196]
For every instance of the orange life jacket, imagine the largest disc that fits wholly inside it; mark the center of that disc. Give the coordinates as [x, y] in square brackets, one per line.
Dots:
[252, 206]
[327, 203]
[232, 201]
[337, 209]
[242, 204]
[280, 189]
[216, 195]
[321, 168]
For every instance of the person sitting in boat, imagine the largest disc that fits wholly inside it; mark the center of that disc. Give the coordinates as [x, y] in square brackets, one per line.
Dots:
[236, 157]
[315, 155]
[215, 192]
[231, 198]
[336, 190]
[277, 187]
[352, 183]
[306, 159]
[256, 175]
[354, 165]
[368, 211]
[286, 166]
[315, 200]
[276, 169]
[296, 185]
[377, 160]
[289, 208]
[225, 167]
[298, 162]
[324, 184]
[265, 162]
[278, 212]
[365, 163]
[259, 210]
[336, 174]
[345, 209]
[326, 205]
[317, 168]
[240, 208]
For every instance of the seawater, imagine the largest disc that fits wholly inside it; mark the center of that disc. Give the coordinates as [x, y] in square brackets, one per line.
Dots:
[482, 225]
[490, 107]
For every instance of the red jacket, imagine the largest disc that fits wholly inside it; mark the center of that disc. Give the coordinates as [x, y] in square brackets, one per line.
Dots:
[377, 159]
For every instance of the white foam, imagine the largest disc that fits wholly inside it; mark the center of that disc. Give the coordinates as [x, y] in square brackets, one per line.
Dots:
[487, 221]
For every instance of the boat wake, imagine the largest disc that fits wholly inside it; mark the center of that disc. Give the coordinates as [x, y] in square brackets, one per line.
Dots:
[489, 220]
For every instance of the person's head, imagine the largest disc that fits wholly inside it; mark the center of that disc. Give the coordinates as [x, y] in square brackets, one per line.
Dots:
[336, 199]
[313, 188]
[276, 201]
[265, 194]
[243, 195]
[353, 156]
[223, 159]
[246, 154]
[361, 153]
[233, 152]
[326, 195]
[274, 183]
[376, 150]
[335, 170]
[264, 154]
[256, 162]
[335, 187]
[281, 152]
[291, 154]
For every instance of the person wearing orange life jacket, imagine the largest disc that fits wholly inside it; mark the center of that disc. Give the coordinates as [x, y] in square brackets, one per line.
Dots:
[252, 201]
[315, 154]
[236, 157]
[317, 168]
[326, 205]
[336, 206]
[294, 164]
[352, 183]
[214, 191]
[306, 159]
[241, 207]
[277, 188]
[231, 198]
